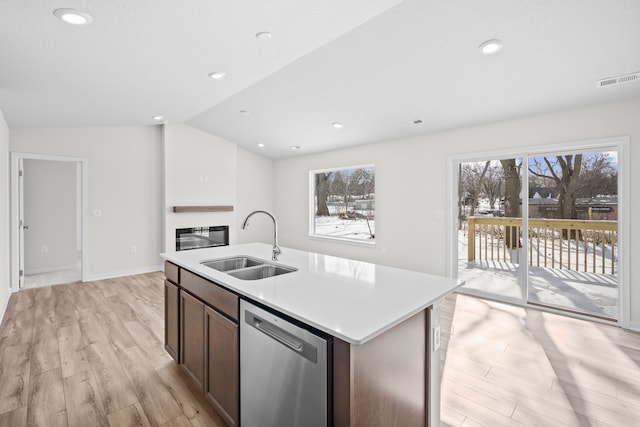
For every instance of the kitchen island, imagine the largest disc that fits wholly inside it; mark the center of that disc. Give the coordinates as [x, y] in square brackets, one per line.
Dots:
[384, 323]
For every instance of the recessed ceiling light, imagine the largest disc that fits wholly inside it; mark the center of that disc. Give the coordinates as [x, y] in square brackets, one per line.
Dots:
[295, 147]
[217, 75]
[261, 145]
[264, 35]
[490, 47]
[337, 125]
[72, 16]
[158, 118]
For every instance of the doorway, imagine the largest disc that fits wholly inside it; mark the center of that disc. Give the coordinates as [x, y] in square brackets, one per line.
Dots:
[544, 227]
[48, 220]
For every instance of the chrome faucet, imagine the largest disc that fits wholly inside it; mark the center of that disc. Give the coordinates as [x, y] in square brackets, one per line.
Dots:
[276, 249]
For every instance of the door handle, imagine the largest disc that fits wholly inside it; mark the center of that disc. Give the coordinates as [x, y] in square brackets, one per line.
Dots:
[25, 227]
[275, 333]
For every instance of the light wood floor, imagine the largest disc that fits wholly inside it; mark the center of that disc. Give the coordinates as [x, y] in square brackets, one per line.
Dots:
[92, 354]
[89, 354]
[510, 366]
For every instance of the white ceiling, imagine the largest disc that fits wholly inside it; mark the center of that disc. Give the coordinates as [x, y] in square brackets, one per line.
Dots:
[373, 65]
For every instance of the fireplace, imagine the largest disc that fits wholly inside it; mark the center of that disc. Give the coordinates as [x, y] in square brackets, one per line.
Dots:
[202, 237]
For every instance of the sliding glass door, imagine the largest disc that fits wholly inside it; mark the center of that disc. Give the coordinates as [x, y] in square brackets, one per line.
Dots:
[573, 230]
[489, 212]
[541, 228]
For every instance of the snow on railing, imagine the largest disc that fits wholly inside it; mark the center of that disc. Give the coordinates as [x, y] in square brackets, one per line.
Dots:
[553, 243]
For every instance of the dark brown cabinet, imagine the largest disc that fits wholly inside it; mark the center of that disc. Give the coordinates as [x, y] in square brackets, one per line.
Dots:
[171, 313]
[222, 369]
[192, 338]
[370, 383]
[172, 310]
[202, 335]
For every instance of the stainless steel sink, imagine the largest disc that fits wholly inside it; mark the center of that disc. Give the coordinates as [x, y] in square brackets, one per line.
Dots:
[227, 264]
[248, 268]
[260, 272]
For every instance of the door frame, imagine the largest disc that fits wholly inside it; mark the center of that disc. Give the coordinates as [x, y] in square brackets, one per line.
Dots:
[16, 159]
[621, 143]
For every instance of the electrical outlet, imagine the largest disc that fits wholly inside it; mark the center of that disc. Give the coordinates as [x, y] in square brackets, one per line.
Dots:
[45, 249]
[133, 249]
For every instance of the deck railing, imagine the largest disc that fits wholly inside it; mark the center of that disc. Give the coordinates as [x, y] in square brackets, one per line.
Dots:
[553, 243]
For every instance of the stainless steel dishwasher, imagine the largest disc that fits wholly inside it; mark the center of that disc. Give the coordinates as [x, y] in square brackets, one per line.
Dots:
[283, 372]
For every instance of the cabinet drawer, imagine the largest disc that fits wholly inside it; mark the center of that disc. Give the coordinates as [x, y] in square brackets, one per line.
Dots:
[210, 293]
[172, 272]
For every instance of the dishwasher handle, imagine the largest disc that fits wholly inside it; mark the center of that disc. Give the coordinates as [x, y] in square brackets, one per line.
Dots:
[290, 341]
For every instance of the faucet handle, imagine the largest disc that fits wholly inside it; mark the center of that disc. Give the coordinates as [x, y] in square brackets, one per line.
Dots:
[276, 252]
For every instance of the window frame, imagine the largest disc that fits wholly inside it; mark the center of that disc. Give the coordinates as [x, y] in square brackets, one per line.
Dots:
[621, 145]
[312, 207]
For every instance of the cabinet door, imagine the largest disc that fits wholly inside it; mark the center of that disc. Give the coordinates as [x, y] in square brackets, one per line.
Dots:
[192, 338]
[222, 358]
[171, 319]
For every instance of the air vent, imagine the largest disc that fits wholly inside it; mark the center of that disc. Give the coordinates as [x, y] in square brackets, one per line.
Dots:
[413, 122]
[612, 81]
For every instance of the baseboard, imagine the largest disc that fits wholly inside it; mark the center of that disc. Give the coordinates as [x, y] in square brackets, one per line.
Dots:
[115, 274]
[634, 326]
[50, 270]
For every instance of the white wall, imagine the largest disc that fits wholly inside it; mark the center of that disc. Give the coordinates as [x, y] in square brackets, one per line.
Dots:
[124, 185]
[411, 184]
[255, 191]
[200, 170]
[5, 259]
[50, 211]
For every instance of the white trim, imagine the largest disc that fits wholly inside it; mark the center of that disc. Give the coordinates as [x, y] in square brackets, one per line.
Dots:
[15, 260]
[122, 273]
[618, 143]
[634, 326]
[624, 221]
[366, 243]
[50, 270]
[312, 216]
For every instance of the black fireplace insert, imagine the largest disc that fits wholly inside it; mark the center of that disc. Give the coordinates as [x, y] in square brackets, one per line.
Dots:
[202, 237]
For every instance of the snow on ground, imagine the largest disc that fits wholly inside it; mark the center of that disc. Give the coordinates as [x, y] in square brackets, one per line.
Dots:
[586, 292]
[334, 226]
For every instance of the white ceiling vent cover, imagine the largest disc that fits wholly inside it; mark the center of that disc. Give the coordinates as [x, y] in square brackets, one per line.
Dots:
[612, 81]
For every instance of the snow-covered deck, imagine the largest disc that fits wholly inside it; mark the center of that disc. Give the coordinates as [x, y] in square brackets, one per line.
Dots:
[585, 292]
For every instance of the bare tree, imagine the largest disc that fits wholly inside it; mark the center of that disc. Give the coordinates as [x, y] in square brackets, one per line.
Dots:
[492, 185]
[598, 176]
[322, 192]
[473, 175]
[340, 186]
[564, 171]
[512, 188]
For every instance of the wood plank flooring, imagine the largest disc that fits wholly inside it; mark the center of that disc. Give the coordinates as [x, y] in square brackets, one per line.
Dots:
[92, 354]
[510, 366]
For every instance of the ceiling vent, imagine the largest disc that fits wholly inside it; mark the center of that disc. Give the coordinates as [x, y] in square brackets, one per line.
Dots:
[613, 81]
[414, 122]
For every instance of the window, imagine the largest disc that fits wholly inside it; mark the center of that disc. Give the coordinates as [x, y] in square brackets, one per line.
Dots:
[343, 203]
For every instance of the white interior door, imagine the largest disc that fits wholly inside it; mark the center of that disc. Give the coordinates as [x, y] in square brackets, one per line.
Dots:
[22, 203]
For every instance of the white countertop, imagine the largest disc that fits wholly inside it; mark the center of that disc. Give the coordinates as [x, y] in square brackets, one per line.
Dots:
[352, 300]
